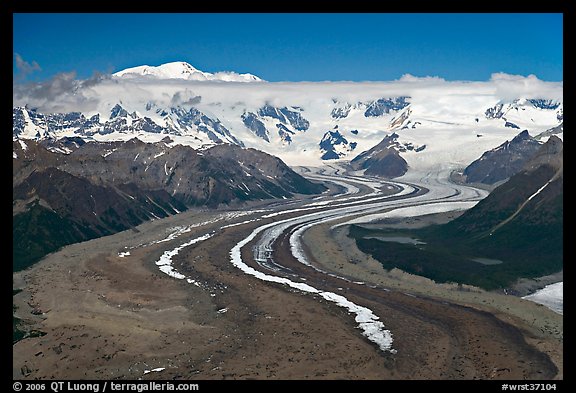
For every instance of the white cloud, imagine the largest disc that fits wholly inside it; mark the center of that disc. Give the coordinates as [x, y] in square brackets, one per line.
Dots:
[185, 98]
[24, 68]
[412, 78]
[64, 93]
[446, 110]
[509, 87]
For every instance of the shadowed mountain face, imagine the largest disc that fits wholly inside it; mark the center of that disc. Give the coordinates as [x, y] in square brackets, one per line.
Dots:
[521, 221]
[102, 188]
[383, 159]
[504, 161]
[516, 231]
[532, 197]
[334, 145]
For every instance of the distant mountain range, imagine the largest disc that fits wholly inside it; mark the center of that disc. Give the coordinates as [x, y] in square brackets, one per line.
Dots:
[183, 70]
[302, 123]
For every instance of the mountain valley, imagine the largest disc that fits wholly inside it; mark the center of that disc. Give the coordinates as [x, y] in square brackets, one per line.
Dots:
[170, 223]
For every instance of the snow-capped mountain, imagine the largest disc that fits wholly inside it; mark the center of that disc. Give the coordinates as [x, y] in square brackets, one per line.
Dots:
[192, 126]
[523, 113]
[335, 146]
[183, 70]
[287, 121]
[303, 123]
[384, 159]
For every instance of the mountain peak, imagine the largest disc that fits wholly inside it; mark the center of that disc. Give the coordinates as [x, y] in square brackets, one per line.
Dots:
[524, 135]
[179, 68]
[503, 161]
[183, 70]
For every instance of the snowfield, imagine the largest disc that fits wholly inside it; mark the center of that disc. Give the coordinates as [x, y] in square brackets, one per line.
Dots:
[456, 120]
[165, 261]
[551, 296]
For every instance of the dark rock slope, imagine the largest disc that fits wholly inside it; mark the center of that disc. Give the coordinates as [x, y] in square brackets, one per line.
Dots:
[504, 161]
[382, 160]
[521, 221]
[102, 188]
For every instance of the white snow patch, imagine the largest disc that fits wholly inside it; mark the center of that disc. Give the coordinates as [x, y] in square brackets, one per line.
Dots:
[539, 190]
[191, 281]
[62, 150]
[371, 327]
[169, 270]
[123, 254]
[165, 261]
[14, 155]
[108, 153]
[179, 230]
[155, 370]
[551, 296]
[22, 144]
[239, 223]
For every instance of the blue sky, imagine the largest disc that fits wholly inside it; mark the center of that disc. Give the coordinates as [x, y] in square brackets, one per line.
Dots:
[296, 47]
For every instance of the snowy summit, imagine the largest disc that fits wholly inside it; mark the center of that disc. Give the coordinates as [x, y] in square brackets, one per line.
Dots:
[183, 70]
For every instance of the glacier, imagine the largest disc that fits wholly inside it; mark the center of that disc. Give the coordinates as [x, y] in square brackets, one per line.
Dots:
[551, 296]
